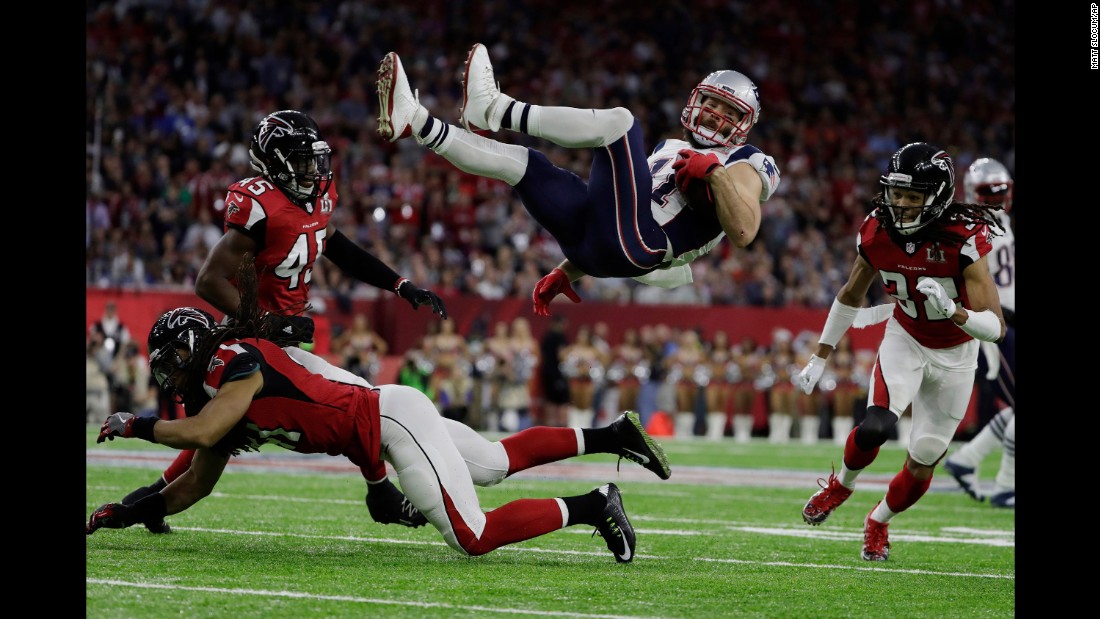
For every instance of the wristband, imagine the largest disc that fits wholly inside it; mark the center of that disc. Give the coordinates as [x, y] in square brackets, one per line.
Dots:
[397, 286]
[982, 325]
[840, 318]
[142, 427]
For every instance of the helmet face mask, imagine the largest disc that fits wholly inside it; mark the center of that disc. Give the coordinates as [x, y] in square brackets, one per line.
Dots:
[176, 330]
[987, 181]
[287, 149]
[728, 87]
[917, 187]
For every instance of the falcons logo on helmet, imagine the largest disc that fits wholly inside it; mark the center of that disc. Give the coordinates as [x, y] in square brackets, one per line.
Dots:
[184, 315]
[273, 126]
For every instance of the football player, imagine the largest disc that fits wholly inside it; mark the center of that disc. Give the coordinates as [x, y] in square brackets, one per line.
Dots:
[249, 382]
[631, 219]
[930, 253]
[282, 218]
[987, 181]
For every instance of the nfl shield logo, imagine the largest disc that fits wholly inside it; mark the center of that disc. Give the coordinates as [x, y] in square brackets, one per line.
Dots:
[910, 248]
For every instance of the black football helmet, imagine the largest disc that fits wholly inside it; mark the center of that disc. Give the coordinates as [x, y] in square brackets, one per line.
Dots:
[735, 89]
[918, 167]
[987, 181]
[182, 327]
[288, 150]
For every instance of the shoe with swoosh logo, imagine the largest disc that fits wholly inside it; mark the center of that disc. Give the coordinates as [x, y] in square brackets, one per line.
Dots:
[636, 445]
[614, 527]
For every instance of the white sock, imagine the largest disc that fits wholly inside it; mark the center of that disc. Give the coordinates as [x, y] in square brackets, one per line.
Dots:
[848, 477]
[473, 153]
[1006, 475]
[882, 512]
[569, 126]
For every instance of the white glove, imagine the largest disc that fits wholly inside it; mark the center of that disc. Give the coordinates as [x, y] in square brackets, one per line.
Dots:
[992, 360]
[937, 297]
[810, 374]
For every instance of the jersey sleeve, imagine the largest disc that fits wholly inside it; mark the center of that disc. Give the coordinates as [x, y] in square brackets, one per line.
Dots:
[977, 245]
[763, 164]
[228, 364]
[244, 213]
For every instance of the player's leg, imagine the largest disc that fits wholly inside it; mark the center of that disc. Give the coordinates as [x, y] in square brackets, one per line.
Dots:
[491, 462]
[1004, 490]
[894, 380]
[484, 106]
[434, 478]
[964, 463]
[178, 467]
[401, 115]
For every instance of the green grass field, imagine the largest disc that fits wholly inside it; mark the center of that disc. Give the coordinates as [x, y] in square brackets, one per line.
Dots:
[288, 535]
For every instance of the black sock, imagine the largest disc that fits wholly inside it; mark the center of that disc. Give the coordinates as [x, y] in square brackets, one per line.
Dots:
[585, 508]
[144, 491]
[599, 441]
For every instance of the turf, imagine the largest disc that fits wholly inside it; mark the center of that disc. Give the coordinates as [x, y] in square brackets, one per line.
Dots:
[722, 538]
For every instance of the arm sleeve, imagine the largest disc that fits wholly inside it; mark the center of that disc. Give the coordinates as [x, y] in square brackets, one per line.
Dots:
[360, 264]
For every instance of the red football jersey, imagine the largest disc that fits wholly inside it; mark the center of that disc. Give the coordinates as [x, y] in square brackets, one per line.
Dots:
[289, 238]
[299, 410]
[903, 266]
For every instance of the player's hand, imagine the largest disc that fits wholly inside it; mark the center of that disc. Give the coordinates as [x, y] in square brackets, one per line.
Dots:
[419, 296]
[808, 377]
[557, 282]
[693, 165]
[937, 298]
[111, 516]
[388, 505]
[291, 329]
[118, 424]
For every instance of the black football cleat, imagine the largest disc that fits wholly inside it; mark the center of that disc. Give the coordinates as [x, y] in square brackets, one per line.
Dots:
[636, 445]
[614, 527]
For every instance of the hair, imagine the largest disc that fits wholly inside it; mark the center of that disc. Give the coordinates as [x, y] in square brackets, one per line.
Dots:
[938, 231]
[250, 322]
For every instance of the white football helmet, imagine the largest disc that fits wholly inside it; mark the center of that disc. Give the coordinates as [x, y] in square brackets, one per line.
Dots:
[736, 90]
[987, 181]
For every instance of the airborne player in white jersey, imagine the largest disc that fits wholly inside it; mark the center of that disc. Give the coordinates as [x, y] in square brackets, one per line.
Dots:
[930, 253]
[631, 218]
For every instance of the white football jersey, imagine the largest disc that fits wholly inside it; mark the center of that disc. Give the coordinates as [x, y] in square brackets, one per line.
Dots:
[1002, 262]
[688, 236]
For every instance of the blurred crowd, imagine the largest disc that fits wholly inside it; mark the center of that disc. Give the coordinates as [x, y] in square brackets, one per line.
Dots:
[175, 88]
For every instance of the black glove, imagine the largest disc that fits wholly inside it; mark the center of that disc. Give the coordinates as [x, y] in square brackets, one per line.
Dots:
[112, 516]
[387, 505]
[418, 296]
[291, 330]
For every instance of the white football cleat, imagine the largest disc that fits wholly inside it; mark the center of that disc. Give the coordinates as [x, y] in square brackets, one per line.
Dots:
[397, 103]
[480, 92]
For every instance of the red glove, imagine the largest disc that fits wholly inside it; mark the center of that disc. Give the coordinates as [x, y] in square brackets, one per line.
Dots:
[693, 165]
[557, 282]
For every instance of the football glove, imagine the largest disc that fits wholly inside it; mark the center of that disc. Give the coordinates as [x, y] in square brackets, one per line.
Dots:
[111, 516]
[419, 296]
[808, 377]
[938, 300]
[118, 424]
[557, 282]
[693, 165]
[388, 505]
